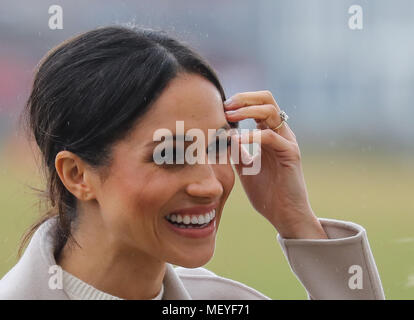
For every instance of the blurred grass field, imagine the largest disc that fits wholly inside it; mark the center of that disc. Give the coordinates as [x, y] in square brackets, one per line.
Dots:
[374, 190]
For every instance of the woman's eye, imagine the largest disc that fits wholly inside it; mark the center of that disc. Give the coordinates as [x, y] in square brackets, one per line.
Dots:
[169, 158]
[176, 156]
[223, 144]
[228, 142]
[173, 157]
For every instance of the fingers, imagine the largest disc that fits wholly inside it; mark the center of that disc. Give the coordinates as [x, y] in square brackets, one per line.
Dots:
[267, 114]
[261, 125]
[250, 98]
[264, 137]
[257, 99]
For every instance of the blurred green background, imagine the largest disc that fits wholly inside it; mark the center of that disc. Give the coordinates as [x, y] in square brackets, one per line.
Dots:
[374, 190]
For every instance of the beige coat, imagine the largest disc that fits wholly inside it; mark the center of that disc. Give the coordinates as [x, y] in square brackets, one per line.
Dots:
[327, 268]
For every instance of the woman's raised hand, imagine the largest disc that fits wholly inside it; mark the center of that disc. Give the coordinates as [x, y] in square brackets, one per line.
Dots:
[278, 190]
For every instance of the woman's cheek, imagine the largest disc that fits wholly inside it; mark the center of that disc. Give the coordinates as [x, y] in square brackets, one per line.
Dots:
[225, 174]
[155, 190]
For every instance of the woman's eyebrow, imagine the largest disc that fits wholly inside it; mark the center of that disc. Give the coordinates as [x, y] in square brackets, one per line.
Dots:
[226, 126]
[175, 137]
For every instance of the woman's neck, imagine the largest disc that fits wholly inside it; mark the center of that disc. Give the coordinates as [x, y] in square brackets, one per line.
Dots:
[121, 272]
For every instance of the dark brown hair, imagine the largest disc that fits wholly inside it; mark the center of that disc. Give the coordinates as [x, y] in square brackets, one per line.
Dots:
[88, 93]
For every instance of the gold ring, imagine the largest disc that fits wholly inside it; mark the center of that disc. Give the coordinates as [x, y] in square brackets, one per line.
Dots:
[281, 124]
[284, 118]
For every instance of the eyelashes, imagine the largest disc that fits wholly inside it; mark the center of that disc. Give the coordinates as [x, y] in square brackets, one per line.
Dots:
[220, 145]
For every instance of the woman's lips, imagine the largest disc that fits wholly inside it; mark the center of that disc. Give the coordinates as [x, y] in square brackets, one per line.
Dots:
[193, 232]
[193, 222]
[197, 210]
[196, 220]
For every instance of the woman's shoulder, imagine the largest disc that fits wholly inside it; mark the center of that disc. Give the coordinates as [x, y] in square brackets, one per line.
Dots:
[203, 284]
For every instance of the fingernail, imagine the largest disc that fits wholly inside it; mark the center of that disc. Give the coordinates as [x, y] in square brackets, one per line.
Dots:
[230, 112]
[228, 101]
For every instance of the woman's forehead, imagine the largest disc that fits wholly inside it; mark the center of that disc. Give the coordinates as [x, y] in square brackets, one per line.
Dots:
[191, 99]
[190, 96]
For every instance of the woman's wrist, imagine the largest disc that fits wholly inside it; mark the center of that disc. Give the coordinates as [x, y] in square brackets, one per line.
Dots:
[305, 226]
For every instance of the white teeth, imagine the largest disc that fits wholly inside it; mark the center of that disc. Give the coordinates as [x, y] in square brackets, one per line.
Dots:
[186, 220]
[212, 214]
[200, 219]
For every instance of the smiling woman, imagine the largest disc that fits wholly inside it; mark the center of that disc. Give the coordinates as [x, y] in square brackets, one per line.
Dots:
[118, 221]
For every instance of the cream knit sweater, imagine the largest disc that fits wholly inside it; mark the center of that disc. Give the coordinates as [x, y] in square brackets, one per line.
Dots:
[77, 289]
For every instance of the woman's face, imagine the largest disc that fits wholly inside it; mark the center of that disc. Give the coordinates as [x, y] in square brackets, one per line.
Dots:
[138, 194]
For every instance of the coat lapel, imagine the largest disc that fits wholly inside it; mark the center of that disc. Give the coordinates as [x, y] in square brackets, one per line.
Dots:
[31, 274]
[173, 286]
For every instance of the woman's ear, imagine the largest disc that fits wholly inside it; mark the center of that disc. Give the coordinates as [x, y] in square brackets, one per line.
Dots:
[75, 175]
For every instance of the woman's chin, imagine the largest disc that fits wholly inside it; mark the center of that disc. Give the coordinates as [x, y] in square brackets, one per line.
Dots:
[193, 264]
[193, 260]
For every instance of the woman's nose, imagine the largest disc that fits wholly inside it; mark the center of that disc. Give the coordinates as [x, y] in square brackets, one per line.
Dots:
[205, 183]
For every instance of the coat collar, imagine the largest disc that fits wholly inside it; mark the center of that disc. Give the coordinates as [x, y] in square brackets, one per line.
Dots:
[34, 270]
